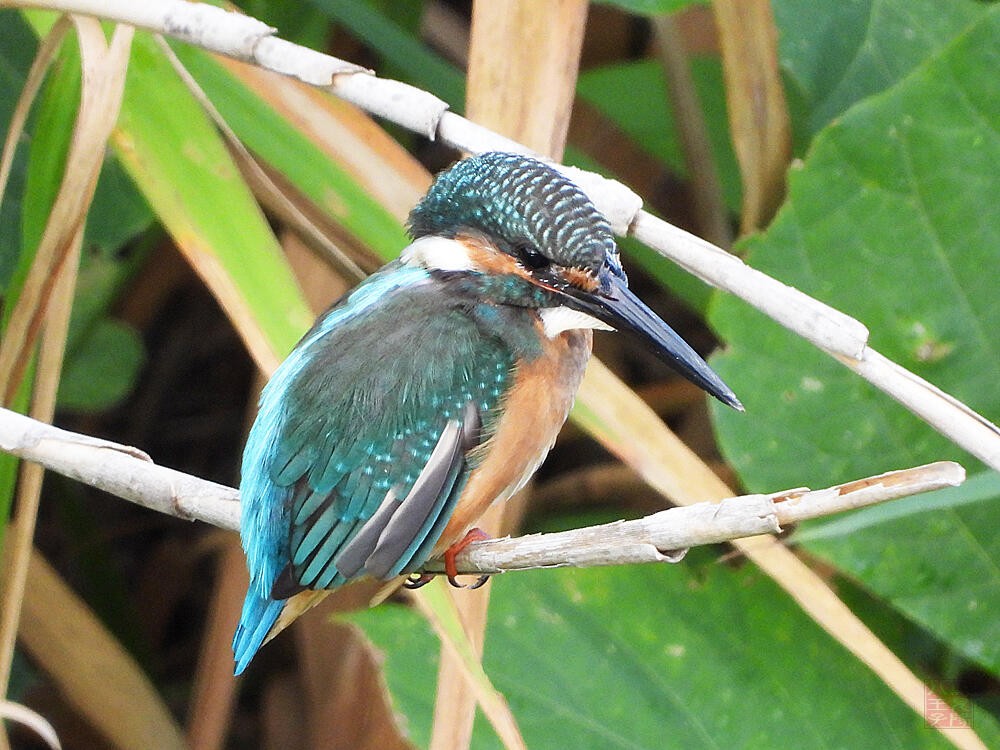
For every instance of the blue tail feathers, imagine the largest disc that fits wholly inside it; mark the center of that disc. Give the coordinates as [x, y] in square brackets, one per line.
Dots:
[259, 616]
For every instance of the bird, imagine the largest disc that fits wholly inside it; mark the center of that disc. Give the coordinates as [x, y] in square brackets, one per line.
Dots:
[436, 387]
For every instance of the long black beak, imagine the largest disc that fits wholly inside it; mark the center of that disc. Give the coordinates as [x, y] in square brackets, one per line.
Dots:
[615, 305]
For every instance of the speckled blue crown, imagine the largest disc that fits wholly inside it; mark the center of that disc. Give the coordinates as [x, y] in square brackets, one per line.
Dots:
[523, 202]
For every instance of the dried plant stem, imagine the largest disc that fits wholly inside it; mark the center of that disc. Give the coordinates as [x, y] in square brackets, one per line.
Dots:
[29, 486]
[523, 63]
[46, 298]
[123, 472]
[758, 115]
[215, 687]
[689, 120]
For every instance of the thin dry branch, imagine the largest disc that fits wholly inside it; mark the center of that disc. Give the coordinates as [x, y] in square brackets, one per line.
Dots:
[839, 335]
[31, 719]
[667, 535]
[119, 469]
[130, 474]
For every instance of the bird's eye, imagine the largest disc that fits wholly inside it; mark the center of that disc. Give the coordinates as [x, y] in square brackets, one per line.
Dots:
[531, 258]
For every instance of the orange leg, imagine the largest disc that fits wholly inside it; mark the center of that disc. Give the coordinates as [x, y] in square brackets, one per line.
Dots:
[473, 535]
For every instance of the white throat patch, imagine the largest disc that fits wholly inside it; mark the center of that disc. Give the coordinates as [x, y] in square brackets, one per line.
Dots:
[438, 253]
[555, 320]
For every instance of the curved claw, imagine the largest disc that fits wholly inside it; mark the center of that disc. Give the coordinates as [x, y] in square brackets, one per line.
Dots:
[416, 580]
[479, 582]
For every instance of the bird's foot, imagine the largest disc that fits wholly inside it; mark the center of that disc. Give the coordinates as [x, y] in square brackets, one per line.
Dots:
[473, 535]
[416, 580]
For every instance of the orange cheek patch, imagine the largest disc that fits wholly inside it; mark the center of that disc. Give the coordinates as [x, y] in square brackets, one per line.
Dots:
[490, 259]
[486, 256]
[580, 279]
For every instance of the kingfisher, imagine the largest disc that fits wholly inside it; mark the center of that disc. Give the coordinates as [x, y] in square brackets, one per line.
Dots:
[436, 387]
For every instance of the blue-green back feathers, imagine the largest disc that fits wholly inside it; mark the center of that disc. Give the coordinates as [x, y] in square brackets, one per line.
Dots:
[351, 419]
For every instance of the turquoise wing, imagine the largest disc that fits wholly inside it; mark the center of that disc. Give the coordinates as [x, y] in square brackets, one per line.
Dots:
[361, 446]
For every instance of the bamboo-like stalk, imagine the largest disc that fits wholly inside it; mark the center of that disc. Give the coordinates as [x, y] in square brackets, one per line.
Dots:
[758, 116]
[523, 63]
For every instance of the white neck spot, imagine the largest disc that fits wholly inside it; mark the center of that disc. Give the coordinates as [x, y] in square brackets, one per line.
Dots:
[555, 320]
[438, 253]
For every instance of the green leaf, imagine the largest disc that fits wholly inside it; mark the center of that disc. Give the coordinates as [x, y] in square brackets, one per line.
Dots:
[102, 369]
[54, 121]
[700, 653]
[835, 54]
[173, 153]
[17, 50]
[58, 103]
[939, 568]
[296, 157]
[118, 212]
[100, 281]
[892, 219]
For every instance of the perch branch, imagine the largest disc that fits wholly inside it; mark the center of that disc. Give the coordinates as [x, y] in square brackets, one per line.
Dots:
[839, 335]
[660, 537]
[667, 535]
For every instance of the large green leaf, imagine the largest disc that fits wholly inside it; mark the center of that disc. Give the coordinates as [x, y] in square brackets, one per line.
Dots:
[173, 153]
[892, 219]
[835, 54]
[698, 655]
[56, 116]
[104, 369]
[51, 136]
